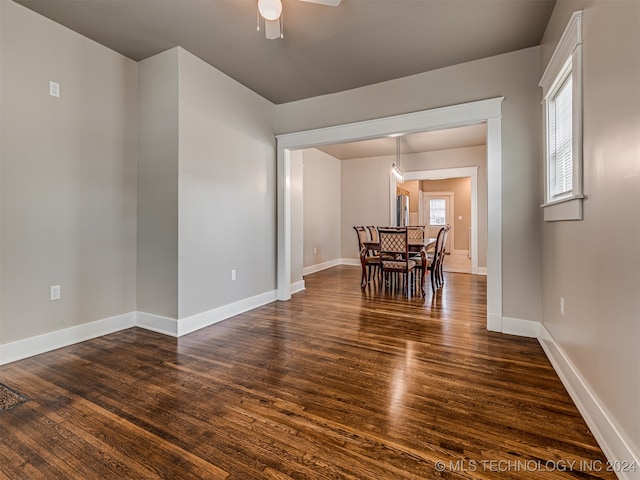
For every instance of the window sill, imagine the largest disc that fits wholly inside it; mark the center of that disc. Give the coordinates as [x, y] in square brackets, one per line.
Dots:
[569, 208]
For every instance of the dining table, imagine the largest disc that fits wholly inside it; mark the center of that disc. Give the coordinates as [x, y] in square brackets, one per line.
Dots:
[415, 245]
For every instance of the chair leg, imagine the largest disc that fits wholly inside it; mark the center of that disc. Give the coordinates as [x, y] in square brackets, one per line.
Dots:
[433, 280]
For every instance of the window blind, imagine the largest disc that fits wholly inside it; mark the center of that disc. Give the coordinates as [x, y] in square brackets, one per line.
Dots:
[561, 141]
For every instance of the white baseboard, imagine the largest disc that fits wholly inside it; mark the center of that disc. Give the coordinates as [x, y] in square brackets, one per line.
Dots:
[321, 266]
[157, 323]
[605, 430]
[522, 328]
[297, 287]
[11, 352]
[204, 319]
[513, 326]
[18, 350]
[480, 271]
[494, 322]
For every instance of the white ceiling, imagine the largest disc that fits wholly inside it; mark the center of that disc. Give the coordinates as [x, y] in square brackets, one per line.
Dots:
[467, 136]
[324, 50]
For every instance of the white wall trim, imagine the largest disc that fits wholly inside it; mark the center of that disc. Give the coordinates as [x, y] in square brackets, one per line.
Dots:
[449, 116]
[480, 271]
[488, 110]
[321, 266]
[605, 430]
[11, 352]
[297, 287]
[28, 347]
[283, 227]
[157, 323]
[205, 319]
[522, 328]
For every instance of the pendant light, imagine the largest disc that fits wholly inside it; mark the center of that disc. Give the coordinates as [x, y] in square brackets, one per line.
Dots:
[395, 169]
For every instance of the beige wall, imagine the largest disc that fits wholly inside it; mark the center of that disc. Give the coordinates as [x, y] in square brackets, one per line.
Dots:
[158, 185]
[514, 76]
[322, 207]
[68, 177]
[365, 198]
[227, 190]
[207, 188]
[595, 263]
[461, 189]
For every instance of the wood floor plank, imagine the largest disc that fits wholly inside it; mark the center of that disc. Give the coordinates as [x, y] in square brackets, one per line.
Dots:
[338, 383]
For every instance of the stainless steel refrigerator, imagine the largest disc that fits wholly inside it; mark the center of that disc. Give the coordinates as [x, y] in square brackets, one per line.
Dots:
[402, 210]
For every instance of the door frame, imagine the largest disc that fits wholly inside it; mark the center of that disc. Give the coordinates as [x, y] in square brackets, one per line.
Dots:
[489, 111]
[462, 172]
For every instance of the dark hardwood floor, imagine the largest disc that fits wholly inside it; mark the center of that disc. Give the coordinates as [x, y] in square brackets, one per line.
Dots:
[338, 383]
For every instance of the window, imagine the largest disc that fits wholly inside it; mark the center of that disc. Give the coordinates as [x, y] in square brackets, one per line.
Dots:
[562, 90]
[560, 142]
[437, 211]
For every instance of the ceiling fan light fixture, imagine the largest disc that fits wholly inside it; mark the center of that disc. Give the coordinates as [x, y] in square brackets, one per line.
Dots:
[270, 9]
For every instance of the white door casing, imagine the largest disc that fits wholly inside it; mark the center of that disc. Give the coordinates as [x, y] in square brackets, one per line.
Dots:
[489, 111]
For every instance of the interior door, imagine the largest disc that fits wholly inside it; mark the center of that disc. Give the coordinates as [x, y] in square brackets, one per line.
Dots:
[438, 213]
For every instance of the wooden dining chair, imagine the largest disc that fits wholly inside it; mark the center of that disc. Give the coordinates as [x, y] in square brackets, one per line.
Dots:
[373, 233]
[443, 253]
[415, 232]
[369, 259]
[394, 258]
[432, 261]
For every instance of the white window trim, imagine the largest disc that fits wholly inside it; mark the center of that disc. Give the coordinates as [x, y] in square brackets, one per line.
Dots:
[568, 55]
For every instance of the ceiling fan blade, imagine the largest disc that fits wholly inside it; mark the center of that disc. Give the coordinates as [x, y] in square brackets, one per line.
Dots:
[329, 3]
[272, 29]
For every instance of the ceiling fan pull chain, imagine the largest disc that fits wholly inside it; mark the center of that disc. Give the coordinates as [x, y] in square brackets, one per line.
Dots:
[282, 25]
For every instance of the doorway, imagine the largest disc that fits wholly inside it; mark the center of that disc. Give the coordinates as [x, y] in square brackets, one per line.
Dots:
[489, 111]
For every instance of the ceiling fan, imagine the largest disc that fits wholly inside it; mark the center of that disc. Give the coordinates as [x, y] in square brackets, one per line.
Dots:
[271, 12]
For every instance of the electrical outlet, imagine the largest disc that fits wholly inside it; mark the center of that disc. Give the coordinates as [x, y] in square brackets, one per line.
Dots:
[315, 250]
[562, 306]
[233, 274]
[54, 292]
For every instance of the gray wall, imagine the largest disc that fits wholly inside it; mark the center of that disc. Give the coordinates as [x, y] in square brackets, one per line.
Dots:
[227, 185]
[595, 263]
[514, 76]
[68, 177]
[206, 188]
[158, 185]
[322, 207]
